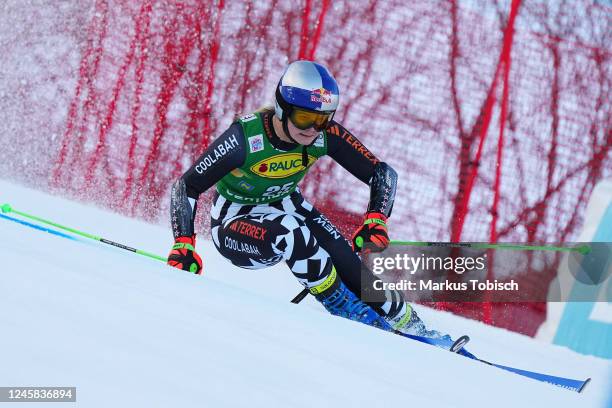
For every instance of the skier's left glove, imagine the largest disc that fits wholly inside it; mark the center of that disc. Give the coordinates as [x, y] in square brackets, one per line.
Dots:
[373, 231]
[183, 255]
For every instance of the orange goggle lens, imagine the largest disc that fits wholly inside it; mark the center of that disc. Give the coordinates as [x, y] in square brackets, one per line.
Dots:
[306, 119]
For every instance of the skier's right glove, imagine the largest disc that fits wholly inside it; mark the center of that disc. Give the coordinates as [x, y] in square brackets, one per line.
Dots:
[183, 255]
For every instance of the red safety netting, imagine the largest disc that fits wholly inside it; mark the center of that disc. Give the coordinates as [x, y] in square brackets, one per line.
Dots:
[496, 115]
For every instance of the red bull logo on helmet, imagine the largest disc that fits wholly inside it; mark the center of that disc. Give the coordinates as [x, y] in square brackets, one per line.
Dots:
[321, 95]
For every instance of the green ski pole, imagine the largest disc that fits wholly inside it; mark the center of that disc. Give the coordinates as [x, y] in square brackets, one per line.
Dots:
[6, 208]
[583, 249]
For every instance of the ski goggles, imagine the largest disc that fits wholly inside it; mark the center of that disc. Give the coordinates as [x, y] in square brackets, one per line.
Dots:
[305, 119]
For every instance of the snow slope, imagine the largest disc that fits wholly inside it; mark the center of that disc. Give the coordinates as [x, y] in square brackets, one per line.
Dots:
[128, 331]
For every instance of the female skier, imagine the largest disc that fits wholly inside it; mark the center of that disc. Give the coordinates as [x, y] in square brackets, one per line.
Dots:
[259, 217]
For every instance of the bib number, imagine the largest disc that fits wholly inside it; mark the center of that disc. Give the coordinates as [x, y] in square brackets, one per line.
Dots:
[274, 191]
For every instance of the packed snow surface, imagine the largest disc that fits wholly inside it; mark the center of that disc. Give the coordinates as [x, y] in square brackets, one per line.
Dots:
[127, 330]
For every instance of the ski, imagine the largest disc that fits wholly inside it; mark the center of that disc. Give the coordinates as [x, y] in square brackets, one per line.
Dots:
[37, 227]
[567, 383]
[444, 343]
[458, 348]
